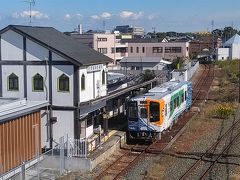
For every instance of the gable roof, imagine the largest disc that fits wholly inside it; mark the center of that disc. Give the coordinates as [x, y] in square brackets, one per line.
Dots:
[61, 44]
[233, 40]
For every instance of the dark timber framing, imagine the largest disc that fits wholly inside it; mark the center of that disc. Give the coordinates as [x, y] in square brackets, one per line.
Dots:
[34, 63]
[50, 76]
[0, 66]
[76, 101]
[25, 66]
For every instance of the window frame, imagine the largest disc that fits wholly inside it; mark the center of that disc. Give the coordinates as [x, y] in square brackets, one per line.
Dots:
[103, 78]
[33, 84]
[67, 78]
[8, 82]
[157, 49]
[83, 86]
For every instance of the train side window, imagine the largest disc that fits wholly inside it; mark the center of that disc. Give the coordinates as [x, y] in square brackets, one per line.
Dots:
[143, 112]
[182, 98]
[185, 95]
[177, 101]
[132, 110]
[166, 109]
[171, 106]
[154, 111]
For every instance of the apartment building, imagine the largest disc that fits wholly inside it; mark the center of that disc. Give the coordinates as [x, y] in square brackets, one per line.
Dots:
[157, 48]
[108, 44]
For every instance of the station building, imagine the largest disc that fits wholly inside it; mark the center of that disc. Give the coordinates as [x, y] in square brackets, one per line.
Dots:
[43, 64]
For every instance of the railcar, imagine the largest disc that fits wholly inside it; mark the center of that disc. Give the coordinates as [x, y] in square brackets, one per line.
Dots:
[157, 110]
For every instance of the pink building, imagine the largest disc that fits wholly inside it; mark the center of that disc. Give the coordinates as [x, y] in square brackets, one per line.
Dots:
[156, 48]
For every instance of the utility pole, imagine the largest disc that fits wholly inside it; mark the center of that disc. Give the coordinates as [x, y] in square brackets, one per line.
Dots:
[154, 32]
[212, 36]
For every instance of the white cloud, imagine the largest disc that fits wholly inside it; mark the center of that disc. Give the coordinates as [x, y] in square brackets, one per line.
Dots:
[95, 17]
[67, 17]
[34, 14]
[131, 15]
[104, 15]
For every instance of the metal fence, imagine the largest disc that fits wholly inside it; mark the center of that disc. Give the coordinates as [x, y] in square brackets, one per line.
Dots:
[66, 155]
[77, 148]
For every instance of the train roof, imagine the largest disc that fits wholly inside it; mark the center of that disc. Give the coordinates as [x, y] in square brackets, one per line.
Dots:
[162, 90]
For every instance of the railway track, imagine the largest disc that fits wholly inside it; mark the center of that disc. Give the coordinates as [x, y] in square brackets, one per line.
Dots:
[134, 153]
[205, 156]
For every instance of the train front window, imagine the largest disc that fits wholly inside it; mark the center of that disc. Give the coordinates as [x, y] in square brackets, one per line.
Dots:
[154, 111]
[133, 110]
[143, 112]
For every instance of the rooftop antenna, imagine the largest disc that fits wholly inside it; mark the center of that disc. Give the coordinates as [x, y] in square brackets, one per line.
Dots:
[31, 4]
[104, 25]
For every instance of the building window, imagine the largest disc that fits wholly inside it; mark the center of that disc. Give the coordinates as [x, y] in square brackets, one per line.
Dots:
[143, 49]
[13, 82]
[113, 50]
[103, 77]
[131, 49]
[63, 83]
[157, 49]
[83, 82]
[173, 49]
[37, 82]
[102, 39]
[137, 49]
[102, 50]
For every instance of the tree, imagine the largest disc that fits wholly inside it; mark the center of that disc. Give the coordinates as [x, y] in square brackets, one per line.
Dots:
[148, 75]
[177, 63]
[228, 32]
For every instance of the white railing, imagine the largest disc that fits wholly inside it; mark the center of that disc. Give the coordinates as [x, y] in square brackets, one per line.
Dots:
[77, 148]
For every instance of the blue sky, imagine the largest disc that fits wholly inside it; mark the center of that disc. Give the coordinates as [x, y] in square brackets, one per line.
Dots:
[164, 15]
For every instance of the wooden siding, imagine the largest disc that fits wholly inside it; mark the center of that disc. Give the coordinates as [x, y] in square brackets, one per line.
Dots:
[18, 141]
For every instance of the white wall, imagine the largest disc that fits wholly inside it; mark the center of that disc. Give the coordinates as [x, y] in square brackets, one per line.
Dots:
[11, 46]
[6, 71]
[62, 98]
[235, 51]
[91, 88]
[35, 52]
[44, 129]
[64, 125]
[223, 53]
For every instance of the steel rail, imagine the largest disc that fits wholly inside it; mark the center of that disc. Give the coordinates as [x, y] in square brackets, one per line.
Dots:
[196, 164]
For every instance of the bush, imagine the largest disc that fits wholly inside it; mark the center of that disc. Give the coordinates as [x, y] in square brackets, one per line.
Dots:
[223, 111]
